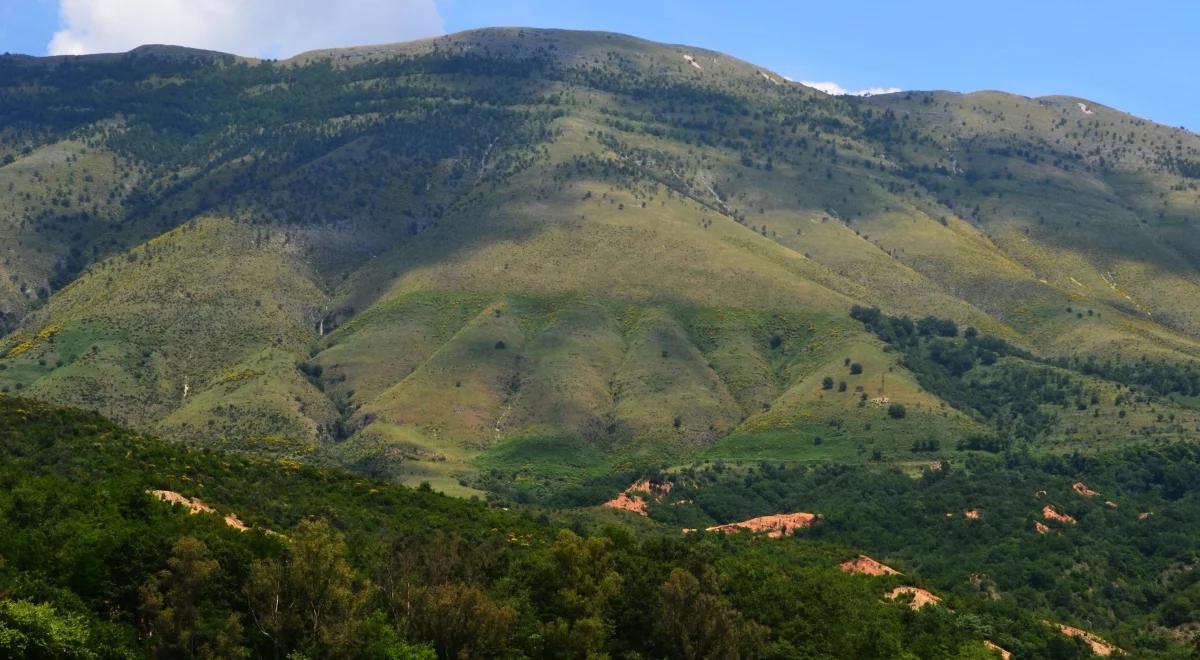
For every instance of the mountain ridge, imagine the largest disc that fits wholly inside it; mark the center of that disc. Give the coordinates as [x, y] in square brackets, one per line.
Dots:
[416, 45]
[368, 52]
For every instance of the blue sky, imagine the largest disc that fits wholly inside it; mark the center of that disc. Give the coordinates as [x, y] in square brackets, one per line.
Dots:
[1141, 57]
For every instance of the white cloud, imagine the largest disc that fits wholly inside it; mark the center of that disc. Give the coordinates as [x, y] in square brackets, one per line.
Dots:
[261, 28]
[872, 91]
[834, 89]
[829, 87]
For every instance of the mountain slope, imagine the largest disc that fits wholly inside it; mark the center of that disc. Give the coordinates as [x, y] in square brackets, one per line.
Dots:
[402, 257]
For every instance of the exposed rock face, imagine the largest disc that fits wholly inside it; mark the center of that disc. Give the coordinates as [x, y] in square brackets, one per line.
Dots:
[635, 497]
[1049, 513]
[991, 646]
[864, 565]
[1099, 646]
[920, 597]
[195, 506]
[777, 526]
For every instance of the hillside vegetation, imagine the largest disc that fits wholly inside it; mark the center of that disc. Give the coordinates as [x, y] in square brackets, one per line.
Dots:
[449, 260]
[1104, 543]
[323, 564]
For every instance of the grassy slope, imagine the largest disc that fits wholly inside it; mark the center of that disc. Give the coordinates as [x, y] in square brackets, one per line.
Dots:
[1084, 202]
[638, 251]
[182, 311]
[60, 195]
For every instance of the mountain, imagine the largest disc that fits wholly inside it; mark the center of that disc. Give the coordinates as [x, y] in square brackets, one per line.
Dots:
[517, 259]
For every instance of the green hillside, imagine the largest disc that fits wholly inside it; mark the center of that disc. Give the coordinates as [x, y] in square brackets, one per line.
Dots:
[448, 260]
[283, 560]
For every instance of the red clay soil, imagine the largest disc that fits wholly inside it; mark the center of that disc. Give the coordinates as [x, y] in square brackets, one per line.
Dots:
[195, 506]
[1049, 513]
[1041, 529]
[920, 597]
[1144, 515]
[634, 498]
[777, 526]
[1110, 504]
[972, 514]
[991, 646]
[1078, 487]
[1099, 646]
[628, 503]
[864, 565]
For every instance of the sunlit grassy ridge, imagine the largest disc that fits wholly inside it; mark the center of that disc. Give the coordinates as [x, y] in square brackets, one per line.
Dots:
[430, 258]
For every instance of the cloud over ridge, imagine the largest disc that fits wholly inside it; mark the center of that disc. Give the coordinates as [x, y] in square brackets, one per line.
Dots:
[834, 89]
[259, 28]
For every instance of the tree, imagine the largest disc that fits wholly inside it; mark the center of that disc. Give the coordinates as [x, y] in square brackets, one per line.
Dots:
[461, 621]
[827, 383]
[312, 601]
[35, 631]
[855, 368]
[694, 624]
[897, 411]
[383, 641]
[933, 326]
[930, 445]
[582, 581]
[172, 602]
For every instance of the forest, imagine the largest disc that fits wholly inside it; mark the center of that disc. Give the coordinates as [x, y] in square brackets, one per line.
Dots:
[334, 565]
[1122, 559]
